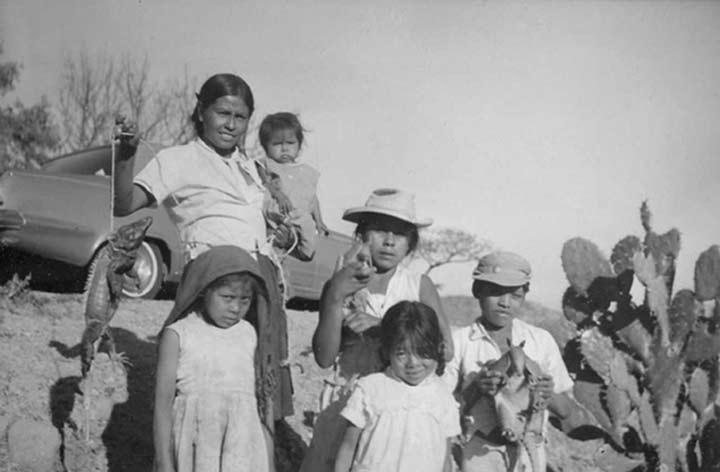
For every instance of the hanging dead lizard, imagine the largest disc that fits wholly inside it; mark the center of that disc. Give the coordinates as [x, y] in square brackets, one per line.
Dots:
[104, 287]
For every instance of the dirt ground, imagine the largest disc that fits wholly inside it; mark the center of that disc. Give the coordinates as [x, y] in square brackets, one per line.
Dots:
[40, 379]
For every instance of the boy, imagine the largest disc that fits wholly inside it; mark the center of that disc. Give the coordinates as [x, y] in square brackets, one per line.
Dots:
[281, 136]
[501, 280]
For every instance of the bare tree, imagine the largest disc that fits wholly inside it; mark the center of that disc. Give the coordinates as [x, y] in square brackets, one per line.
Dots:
[440, 246]
[96, 89]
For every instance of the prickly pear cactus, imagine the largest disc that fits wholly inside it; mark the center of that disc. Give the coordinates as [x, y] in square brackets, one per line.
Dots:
[707, 274]
[656, 363]
[583, 263]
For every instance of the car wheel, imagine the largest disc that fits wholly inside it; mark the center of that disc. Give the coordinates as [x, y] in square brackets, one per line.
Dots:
[145, 279]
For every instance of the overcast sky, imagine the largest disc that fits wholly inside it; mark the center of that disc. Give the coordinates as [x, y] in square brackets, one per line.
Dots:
[524, 123]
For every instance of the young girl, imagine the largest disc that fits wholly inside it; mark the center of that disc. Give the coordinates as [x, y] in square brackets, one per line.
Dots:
[207, 416]
[347, 335]
[281, 136]
[403, 418]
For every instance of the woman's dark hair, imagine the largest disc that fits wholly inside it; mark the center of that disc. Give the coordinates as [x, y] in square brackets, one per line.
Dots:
[221, 85]
[483, 287]
[414, 323]
[280, 122]
[409, 230]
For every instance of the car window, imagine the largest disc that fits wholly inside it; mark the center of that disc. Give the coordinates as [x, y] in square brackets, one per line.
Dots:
[94, 161]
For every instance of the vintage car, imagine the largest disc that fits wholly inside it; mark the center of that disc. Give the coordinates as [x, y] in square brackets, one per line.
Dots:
[62, 212]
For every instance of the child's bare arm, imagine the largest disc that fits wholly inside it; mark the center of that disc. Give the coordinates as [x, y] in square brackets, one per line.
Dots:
[166, 377]
[346, 453]
[429, 296]
[317, 216]
[350, 276]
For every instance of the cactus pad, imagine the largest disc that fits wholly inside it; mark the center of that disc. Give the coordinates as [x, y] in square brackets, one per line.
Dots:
[665, 376]
[681, 315]
[583, 262]
[621, 377]
[657, 300]
[644, 267]
[609, 460]
[664, 249]
[709, 440]
[597, 350]
[623, 253]
[707, 274]
[637, 338]
[618, 406]
[703, 345]
[589, 395]
[667, 448]
[648, 424]
[699, 390]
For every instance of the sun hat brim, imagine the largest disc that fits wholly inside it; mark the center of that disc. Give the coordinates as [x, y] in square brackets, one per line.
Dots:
[357, 214]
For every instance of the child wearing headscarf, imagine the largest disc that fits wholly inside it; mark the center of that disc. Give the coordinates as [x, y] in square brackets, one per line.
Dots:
[214, 383]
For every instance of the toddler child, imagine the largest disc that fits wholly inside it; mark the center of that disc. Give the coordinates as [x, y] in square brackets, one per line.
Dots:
[207, 416]
[402, 419]
[281, 136]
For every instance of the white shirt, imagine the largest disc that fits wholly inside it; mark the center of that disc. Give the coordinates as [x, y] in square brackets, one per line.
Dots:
[207, 196]
[473, 344]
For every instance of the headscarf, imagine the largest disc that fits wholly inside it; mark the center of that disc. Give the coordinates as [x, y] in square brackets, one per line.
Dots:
[212, 264]
[209, 266]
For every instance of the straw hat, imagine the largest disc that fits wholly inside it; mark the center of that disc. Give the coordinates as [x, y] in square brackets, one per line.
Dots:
[391, 202]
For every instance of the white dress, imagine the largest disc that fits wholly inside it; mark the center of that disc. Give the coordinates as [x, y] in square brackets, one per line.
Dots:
[405, 428]
[359, 356]
[216, 426]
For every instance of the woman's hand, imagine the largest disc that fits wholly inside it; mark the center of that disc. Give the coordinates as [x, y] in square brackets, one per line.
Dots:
[126, 134]
[284, 236]
[360, 322]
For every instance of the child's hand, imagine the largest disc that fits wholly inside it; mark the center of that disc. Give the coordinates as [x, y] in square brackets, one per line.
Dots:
[323, 229]
[274, 186]
[352, 271]
[126, 135]
[360, 321]
[489, 381]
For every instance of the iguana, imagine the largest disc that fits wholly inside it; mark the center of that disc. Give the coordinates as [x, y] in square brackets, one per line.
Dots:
[104, 287]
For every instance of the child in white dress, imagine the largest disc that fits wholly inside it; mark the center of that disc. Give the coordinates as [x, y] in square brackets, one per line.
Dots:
[207, 417]
[347, 335]
[402, 419]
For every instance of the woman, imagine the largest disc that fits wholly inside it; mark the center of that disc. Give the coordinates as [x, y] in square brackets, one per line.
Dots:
[214, 193]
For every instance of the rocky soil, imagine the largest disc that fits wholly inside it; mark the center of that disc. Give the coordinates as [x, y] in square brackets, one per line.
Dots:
[109, 428]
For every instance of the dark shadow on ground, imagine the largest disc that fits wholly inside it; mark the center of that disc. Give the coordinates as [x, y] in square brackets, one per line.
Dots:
[62, 401]
[128, 435]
